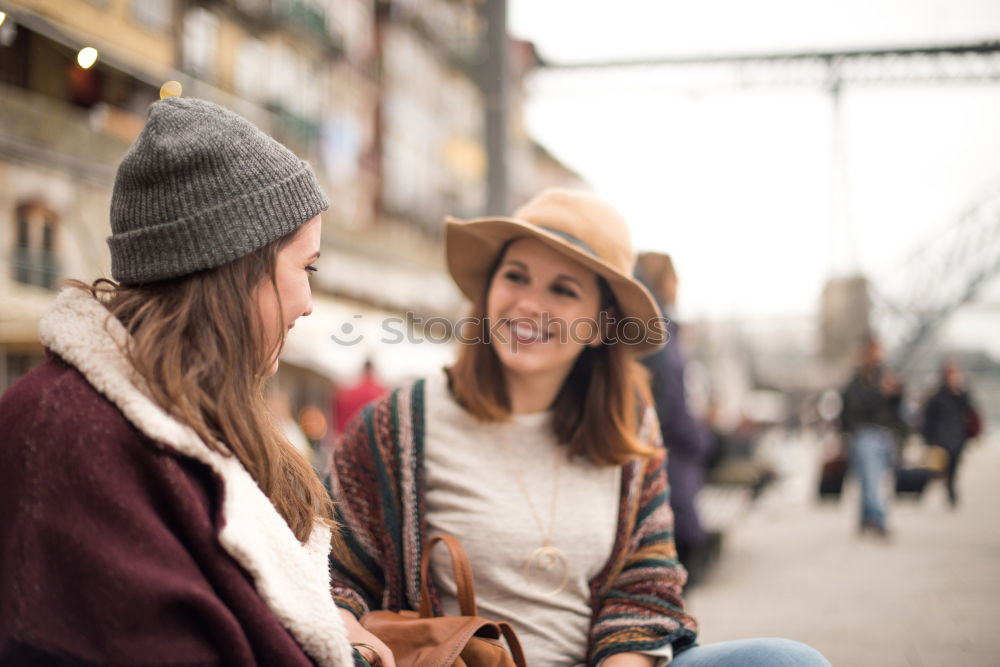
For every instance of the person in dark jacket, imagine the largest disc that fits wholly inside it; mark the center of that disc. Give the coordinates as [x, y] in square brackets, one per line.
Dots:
[948, 422]
[872, 423]
[151, 512]
[688, 441]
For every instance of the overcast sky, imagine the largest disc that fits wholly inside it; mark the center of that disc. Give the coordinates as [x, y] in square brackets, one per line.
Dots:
[736, 184]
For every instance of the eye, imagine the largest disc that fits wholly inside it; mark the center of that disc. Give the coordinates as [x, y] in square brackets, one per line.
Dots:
[563, 290]
[515, 276]
[311, 269]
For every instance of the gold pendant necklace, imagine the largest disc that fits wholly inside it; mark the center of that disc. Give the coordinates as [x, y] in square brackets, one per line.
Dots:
[547, 568]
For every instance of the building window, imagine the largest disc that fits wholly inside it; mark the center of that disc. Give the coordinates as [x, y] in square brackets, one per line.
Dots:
[35, 261]
[251, 76]
[201, 39]
[14, 365]
[155, 14]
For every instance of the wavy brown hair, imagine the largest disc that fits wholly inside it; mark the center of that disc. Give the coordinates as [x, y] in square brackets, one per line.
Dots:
[200, 344]
[596, 412]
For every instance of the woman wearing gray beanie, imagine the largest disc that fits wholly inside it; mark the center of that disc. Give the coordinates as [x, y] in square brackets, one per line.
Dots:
[152, 513]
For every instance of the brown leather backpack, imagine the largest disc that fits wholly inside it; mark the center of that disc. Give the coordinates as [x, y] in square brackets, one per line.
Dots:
[420, 639]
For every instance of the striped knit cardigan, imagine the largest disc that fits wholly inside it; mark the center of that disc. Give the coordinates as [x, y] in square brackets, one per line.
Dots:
[377, 481]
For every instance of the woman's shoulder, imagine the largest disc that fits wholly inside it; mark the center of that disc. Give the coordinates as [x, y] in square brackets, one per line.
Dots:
[401, 396]
[55, 397]
[384, 418]
[60, 437]
[417, 395]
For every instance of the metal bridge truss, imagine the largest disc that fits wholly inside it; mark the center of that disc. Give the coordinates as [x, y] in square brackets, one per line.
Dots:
[950, 269]
[977, 62]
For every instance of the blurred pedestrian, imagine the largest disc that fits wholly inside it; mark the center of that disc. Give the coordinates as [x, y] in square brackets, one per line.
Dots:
[152, 509]
[538, 449]
[949, 420]
[348, 401]
[872, 422]
[688, 442]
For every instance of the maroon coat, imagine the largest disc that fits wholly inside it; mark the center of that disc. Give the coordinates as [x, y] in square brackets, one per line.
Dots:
[110, 548]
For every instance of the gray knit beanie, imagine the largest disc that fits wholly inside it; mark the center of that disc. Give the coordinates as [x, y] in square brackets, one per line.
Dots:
[202, 187]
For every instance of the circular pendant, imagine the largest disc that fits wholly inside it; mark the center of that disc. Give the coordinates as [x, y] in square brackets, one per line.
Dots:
[547, 569]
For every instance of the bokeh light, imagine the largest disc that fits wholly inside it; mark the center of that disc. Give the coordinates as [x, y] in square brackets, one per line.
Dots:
[86, 57]
[313, 422]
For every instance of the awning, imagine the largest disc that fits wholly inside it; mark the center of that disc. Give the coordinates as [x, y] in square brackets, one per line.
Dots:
[383, 283]
[337, 338]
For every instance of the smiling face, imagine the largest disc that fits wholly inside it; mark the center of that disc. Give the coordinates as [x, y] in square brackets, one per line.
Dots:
[543, 308]
[293, 265]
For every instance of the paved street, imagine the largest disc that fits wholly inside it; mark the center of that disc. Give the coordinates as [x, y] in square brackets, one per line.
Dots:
[795, 568]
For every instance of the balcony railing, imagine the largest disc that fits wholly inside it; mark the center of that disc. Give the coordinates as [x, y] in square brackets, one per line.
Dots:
[298, 15]
[43, 129]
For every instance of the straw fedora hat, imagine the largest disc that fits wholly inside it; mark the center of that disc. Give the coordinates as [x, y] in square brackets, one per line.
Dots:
[575, 224]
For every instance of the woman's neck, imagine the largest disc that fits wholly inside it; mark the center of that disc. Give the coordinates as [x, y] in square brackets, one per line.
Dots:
[532, 394]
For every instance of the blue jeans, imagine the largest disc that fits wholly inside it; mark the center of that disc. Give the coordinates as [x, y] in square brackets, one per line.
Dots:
[871, 458]
[751, 653]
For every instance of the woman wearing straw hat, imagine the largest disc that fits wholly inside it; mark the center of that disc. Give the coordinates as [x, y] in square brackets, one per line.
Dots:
[152, 512]
[538, 449]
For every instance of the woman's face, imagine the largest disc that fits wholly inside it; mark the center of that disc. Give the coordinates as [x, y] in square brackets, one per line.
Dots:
[543, 311]
[953, 377]
[292, 268]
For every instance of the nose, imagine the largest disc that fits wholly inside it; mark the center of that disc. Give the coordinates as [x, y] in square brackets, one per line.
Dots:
[308, 309]
[528, 304]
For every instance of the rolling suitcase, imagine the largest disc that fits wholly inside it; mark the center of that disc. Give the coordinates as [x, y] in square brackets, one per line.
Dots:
[912, 481]
[831, 478]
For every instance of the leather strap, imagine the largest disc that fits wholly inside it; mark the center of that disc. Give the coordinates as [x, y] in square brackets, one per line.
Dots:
[513, 643]
[447, 654]
[463, 576]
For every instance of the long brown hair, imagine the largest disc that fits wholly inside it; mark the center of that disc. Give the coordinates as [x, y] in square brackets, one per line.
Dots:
[596, 412]
[200, 344]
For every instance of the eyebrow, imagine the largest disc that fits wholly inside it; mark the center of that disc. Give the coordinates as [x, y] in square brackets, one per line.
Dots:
[561, 276]
[520, 264]
[314, 257]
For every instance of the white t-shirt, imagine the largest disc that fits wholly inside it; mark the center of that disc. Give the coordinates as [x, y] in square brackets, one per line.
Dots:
[473, 494]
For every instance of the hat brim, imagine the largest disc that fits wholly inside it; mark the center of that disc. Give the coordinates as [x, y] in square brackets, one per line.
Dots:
[471, 248]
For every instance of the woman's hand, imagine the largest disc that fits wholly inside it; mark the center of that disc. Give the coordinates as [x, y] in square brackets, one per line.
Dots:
[629, 660]
[356, 634]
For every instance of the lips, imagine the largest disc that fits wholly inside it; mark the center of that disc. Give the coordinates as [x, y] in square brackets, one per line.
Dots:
[525, 333]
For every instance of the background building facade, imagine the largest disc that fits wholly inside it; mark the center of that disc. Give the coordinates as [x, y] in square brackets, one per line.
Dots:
[383, 98]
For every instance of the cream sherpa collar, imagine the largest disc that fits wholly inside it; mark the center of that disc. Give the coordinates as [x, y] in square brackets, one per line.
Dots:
[292, 578]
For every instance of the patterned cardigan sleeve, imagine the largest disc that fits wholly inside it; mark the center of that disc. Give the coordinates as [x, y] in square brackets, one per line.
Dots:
[366, 559]
[638, 605]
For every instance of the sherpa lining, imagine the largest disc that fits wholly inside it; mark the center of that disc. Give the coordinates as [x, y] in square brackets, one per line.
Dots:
[291, 577]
